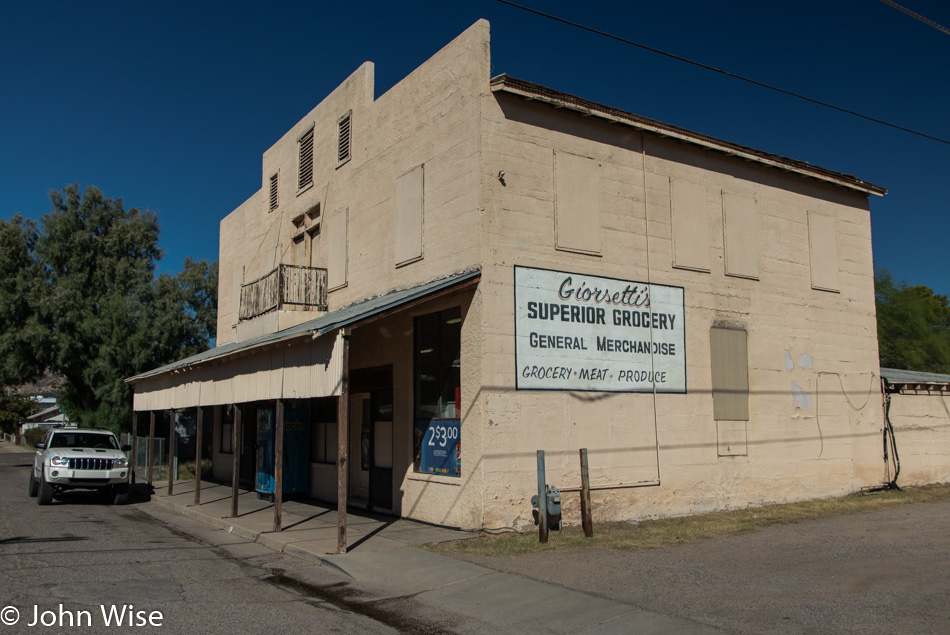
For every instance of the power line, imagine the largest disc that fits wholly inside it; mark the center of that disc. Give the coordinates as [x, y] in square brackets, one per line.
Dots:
[723, 72]
[917, 16]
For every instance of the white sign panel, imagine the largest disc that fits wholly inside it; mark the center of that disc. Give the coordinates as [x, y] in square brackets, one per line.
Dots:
[577, 332]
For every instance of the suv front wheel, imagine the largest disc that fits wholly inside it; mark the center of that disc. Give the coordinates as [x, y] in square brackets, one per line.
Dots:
[34, 486]
[45, 492]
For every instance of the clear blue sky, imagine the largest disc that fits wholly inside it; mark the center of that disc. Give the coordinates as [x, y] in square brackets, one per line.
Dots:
[170, 105]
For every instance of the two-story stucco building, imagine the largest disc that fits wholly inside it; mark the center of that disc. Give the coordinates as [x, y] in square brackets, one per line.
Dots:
[438, 281]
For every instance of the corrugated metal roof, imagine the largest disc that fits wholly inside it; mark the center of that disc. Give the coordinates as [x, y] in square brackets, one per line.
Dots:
[530, 90]
[347, 316]
[897, 376]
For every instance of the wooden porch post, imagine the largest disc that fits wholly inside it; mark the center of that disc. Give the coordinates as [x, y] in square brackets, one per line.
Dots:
[151, 444]
[198, 455]
[238, 438]
[343, 426]
[171, 451]
[278, 464]
[135, 422]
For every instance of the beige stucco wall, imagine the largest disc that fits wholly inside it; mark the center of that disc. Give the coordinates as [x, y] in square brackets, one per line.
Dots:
[815, 446]
[430, 118]
[239, 231]
[922, 430]
[438, 499]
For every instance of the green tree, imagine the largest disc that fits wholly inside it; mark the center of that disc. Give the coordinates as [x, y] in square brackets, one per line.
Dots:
[23, 337]
[198, 281]
[184, 311]
[99, 263]
[14, 409]
[80, 298]
[913, 326]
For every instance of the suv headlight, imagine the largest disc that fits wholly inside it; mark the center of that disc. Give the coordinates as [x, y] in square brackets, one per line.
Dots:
[123, 462]
[59, 461]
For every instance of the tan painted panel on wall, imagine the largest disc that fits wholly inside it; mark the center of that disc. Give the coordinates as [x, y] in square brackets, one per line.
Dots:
[577, 217]
[335, 228]
[823, 250]
[410, 205]
[739, 225]
[690, 221]
[730, 374]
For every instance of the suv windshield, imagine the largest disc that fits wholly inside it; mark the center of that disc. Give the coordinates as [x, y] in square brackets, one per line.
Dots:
[83, 440]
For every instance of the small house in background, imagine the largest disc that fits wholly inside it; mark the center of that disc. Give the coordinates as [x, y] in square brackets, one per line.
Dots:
[48, 413]
[434, 283]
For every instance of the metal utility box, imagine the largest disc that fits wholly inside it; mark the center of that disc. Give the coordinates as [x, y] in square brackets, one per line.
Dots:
[553, 494]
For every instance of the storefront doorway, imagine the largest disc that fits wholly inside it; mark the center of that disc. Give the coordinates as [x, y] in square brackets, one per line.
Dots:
[371, 439]
[371, 445]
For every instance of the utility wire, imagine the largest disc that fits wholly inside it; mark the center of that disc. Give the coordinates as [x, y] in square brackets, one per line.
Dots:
[723, 72]
[917, 16]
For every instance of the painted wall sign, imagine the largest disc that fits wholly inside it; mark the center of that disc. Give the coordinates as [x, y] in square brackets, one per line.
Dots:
[577, 332]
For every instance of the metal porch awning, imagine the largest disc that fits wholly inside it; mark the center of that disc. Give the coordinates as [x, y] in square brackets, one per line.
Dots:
[295, 363]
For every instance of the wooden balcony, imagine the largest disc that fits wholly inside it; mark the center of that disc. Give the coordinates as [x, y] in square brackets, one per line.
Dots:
[288, 287]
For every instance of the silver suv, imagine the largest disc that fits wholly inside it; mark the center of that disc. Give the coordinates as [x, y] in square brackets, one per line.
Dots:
[73, 458]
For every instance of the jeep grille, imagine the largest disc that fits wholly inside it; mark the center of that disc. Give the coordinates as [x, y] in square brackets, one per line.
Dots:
[91, 464]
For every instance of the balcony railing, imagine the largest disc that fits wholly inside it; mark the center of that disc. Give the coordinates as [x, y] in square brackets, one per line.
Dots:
[287, 286]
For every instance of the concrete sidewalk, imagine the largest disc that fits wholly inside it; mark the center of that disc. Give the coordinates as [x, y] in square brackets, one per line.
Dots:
[9, 448]
[384, 567]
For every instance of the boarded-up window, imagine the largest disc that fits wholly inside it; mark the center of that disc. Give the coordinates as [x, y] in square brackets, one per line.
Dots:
[739, 221]
[823, 249]
[577, 224]
[409, 216]
[335, 230]
[300, 251]
[730, 374]
[690, 220]
[305, 163]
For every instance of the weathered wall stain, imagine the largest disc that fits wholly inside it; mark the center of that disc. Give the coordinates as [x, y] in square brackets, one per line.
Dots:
[801, 396]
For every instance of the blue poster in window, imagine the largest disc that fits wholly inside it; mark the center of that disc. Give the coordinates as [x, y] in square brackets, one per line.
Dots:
[440, 446]
[296, 450]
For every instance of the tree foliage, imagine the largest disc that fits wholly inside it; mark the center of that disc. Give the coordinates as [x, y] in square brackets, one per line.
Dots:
[89, 306]
[913, 326]
[14, 409]
[21, 292]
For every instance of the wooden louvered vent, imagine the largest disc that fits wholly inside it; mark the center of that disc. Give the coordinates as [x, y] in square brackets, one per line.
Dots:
[305, 171]
[343, 153]
[273, 192]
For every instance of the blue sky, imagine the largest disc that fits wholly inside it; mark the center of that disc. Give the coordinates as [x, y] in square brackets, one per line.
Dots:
[170, 105]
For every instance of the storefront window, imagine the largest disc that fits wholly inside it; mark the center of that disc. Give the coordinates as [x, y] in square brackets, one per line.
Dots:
[437, 363]
[324, 431]
[227, 429]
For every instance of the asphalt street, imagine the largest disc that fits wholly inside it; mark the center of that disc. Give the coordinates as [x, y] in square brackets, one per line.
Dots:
[78, 557]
